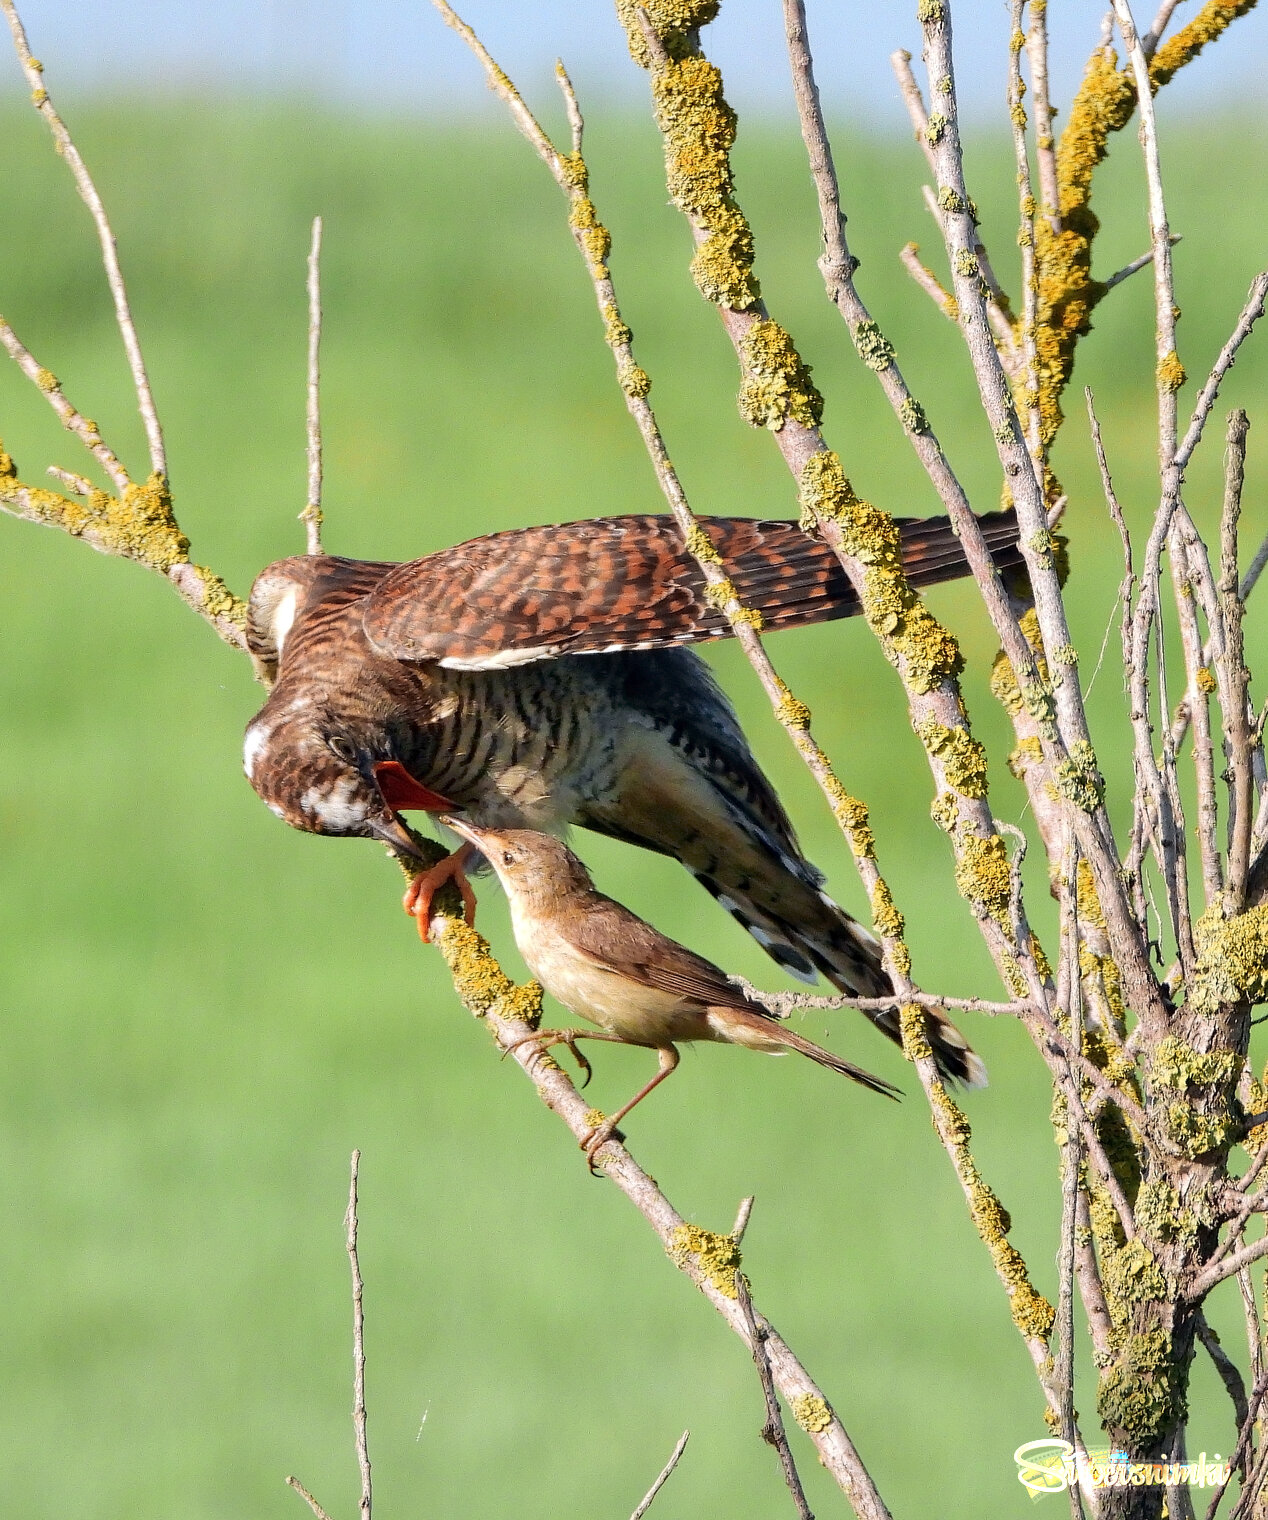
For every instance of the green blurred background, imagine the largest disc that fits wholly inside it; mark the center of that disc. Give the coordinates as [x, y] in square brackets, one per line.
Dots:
[205, 1011]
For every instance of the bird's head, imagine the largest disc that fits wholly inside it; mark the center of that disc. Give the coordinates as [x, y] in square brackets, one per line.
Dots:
[317, 777]
[533, 868]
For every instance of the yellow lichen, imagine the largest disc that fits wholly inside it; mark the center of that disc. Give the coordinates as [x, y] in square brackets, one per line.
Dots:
[922, 649]
[1171, 374]
[776, 384]
[716, 1256]
[1027, 753]
[981, 874]
[791, 711]
[218, 600]
[963, 760]
[1078, 779]
[1033, 1315]
[1206, 679]
[1232, 964]
[810, 1412]
[886, 919]
[852, 815]
[874, 348]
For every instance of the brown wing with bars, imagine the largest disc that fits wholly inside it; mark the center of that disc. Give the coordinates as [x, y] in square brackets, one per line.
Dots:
[627, 583]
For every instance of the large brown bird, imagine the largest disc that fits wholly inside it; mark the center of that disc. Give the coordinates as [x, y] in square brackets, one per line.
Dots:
[536, 679]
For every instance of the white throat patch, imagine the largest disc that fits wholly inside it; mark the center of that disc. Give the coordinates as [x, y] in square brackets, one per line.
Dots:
[339, 809]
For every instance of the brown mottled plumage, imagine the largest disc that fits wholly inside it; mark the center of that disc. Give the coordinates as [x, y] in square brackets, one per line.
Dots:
[530, 680]
[611, 968]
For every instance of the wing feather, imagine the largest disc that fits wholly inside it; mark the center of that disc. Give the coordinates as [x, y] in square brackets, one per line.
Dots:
[627, 583]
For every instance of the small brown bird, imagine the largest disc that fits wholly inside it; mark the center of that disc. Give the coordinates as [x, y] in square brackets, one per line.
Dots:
[607, 966]
[532, 679]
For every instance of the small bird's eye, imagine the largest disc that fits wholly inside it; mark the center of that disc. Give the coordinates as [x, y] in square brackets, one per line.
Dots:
[340, 747]
[508, 858]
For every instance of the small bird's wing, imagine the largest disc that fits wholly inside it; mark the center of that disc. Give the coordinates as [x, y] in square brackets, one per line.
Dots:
[609, 935]
[621, 583]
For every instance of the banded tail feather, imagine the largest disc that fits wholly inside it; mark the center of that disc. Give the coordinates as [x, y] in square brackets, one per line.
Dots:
[824, 939]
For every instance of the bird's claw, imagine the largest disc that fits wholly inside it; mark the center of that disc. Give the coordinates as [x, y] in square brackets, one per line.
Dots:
[421, 892]
[544, 1039]
[598, 1137]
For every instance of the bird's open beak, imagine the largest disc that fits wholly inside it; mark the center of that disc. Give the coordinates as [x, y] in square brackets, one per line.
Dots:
[397, 837]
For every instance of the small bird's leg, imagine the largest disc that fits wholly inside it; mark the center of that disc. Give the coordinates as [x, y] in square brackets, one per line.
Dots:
[545, 1038]
[420, 892]
[602, 1133]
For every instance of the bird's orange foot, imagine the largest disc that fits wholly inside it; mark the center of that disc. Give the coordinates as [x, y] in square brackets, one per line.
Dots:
[422, 890]
[545, 1038]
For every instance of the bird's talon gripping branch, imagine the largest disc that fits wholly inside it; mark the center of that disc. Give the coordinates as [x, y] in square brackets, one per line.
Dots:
[545, 1038]
[421, 892]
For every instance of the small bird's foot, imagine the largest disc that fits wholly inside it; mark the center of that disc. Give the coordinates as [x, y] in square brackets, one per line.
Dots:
[420, 893]
[545, 1038]
[596, 1140]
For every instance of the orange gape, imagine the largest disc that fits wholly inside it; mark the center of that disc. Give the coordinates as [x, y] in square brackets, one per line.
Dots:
[400, 790]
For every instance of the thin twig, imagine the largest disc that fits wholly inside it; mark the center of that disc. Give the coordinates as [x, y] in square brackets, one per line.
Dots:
[1237, 1460]
[293, 1482]
[1153, 36]
[1143, 262]
[741, 1219]
[311, 516]
[1241, 781]
[909, 257]
[72, 420]
[358, 1341]
[662, 1478]
[781, 1004]
[1029, 376]
[773, 1432]
[1045, 146]
[34, 72]
[1229, 1267]
[79, 485]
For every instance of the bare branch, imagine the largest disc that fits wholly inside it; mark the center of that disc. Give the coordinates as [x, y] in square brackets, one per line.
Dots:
[293, 1482]
[73, 421]
[1249, 315]
[1241, 784]
[1149, 42]
[741, 1219]
[1029, 387]
[358, 1342]
[1143, 262]
[1045, 146]
[1250, 1410]
[1229, 1267]
[311, 515]
[109, 251]
[773, 1431]
[662, 1478]
[909, 257]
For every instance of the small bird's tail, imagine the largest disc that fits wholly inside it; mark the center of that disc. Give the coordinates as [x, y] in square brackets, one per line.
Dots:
[800, 927]
[758, 1031]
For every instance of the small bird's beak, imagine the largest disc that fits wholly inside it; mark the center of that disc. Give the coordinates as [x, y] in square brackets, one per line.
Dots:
[467, 831]
[397, 837]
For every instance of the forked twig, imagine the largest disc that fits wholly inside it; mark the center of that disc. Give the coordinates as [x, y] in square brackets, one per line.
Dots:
[773, 1432]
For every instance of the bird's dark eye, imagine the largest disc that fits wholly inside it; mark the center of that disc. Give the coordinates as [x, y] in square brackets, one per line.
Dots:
[508, 859]
[340, 747]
